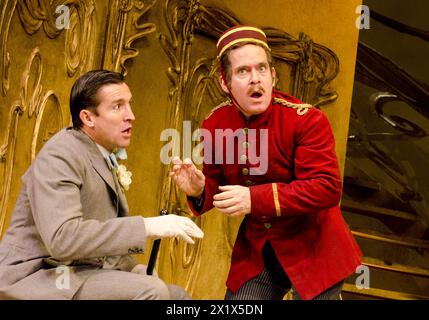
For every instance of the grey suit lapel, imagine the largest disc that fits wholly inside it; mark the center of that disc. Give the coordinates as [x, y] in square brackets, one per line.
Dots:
[123, 205]
[100, 165]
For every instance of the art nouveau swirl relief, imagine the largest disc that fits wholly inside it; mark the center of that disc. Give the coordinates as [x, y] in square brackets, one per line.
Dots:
[80, 37]
[40, 105]
[34, 15]
[36, 104]
[80, 34]
[179, 22]
[395, 87]
[123, 30]
[7, 8]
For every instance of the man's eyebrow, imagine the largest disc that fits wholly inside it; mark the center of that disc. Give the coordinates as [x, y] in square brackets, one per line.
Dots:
[121, 100]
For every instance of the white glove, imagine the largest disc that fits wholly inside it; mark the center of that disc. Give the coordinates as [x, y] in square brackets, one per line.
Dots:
[172, 226]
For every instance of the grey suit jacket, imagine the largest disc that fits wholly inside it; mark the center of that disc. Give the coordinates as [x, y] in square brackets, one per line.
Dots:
[69, 210]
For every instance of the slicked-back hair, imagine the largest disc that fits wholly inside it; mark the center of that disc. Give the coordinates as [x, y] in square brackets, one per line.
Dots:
[84, 92]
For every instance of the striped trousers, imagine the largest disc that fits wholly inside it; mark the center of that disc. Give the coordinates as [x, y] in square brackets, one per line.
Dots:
[273, 283]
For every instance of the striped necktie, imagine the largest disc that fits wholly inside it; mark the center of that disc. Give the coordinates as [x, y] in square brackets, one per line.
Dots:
[113, 160]
[114, 168]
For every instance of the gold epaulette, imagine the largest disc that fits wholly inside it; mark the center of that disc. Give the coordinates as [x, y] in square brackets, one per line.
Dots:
[225, 103]
[302, 108]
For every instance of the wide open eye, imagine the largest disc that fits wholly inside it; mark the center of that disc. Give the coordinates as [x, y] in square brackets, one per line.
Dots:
[242, 71]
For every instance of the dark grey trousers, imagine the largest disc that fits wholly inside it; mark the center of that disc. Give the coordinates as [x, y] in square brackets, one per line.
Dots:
[273, 283]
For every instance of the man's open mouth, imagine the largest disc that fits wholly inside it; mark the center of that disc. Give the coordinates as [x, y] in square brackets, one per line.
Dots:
[256, 94]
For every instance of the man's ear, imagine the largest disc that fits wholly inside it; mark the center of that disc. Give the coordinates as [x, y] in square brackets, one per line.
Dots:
[223, 85]
[87, 118]
[273, 74]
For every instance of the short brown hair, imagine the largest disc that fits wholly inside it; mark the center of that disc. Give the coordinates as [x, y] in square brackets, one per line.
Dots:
[84, 92]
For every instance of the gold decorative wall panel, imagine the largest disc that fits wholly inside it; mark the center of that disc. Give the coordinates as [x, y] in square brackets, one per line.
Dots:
[123, 30]
[35, 57]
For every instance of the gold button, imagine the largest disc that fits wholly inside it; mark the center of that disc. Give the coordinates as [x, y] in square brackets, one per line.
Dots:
[245, 171]
[246, 145]
[243, 158]
[267, 225]
[245, 130]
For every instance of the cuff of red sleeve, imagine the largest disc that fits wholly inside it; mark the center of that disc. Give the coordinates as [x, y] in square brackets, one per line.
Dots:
[265, 200]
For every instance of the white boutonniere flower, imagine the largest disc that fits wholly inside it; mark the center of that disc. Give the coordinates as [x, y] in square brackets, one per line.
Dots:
[124, 176]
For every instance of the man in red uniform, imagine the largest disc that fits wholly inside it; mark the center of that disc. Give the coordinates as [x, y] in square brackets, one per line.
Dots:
[272, 160]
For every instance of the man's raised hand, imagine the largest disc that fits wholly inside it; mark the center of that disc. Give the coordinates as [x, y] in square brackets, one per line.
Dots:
[188, 177]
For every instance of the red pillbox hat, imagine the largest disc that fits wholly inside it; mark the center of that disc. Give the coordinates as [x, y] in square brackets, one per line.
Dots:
[240, 33]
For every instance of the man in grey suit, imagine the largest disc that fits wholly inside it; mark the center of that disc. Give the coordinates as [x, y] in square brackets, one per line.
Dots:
[70, 236]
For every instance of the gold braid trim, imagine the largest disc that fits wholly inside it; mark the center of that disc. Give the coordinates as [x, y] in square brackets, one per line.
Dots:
[302, 108]
[223, 104]
[276, 200]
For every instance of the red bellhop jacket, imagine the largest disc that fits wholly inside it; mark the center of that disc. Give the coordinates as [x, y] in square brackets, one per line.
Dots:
[294, 204]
